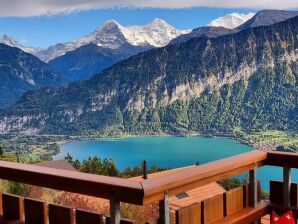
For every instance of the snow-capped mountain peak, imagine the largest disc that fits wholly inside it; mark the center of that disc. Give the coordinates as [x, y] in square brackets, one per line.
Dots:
[231, 21]
[10, 41]
[109, 24]
[113, 35]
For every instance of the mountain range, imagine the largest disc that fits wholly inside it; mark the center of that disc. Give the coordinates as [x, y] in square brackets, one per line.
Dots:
[21, 72]
[81, 58]
[110, 43]
[247, 79]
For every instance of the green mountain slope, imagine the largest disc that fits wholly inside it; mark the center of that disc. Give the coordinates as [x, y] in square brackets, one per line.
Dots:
[247, 80]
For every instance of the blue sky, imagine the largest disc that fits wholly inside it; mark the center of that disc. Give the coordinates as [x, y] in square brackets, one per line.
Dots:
[45, 30]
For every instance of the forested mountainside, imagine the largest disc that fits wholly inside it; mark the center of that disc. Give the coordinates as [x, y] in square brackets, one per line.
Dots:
[21, 72]
[244, 80]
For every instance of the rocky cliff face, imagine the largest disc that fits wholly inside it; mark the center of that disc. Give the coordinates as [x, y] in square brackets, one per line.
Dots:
[247, 79]
[21, 72]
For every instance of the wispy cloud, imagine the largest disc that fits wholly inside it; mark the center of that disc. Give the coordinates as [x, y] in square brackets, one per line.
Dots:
[25, 8]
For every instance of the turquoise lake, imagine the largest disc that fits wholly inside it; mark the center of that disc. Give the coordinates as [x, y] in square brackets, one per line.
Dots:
[166, 152]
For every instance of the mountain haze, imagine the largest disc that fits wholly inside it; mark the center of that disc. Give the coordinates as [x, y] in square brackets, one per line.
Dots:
[246, 80]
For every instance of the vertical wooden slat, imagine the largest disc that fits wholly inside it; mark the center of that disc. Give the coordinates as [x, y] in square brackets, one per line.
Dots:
[122, 221]
[245, 196]
[276, 195]
[60, 215]
[12, 207]
[86, 217]
[189, 215]
[212, 209]
[1, 208]
[164, 209]
[35, 211]
[286, 185]
[114, 211]
[234, 200]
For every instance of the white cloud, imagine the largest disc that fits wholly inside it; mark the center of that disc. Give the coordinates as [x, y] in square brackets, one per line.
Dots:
[48, 7]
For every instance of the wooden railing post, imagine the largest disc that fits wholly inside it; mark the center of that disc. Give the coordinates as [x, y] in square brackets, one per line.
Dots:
[286, 185]
[253, 188]
[114, 210]
[164, 209]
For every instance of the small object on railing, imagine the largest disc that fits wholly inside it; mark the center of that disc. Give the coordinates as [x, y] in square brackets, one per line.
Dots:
[145, 176]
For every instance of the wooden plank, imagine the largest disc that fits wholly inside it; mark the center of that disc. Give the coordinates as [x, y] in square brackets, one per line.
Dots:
[87, 217]
[12, 207]
[189, 215]
[246, 215]
[276, 196]
[35, 211]
[88, 184]
[212, 209]
[60, 215]
[275, 158]
[234, 200]
[197, 176]
[123, 221]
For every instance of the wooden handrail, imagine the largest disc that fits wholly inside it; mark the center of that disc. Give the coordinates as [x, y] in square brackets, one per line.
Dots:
[197, 176]
[89, 184]
[275, 158]
[145, 191]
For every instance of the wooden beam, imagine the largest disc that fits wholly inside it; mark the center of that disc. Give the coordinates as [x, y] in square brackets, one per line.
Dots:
[115, 217]
[76, 182]
[286, 185]
[253, 188]
[197, 176]
[164, 209]
[275, 158]
[246, 215]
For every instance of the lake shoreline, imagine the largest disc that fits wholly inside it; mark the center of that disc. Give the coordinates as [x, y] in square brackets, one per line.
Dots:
[98, 138]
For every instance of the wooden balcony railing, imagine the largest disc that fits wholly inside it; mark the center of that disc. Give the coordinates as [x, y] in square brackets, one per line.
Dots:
[159, 189]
